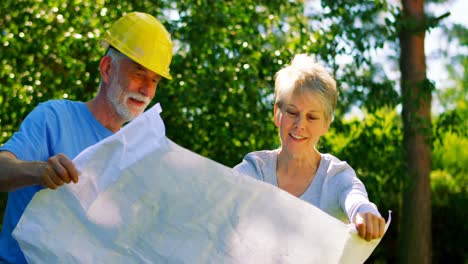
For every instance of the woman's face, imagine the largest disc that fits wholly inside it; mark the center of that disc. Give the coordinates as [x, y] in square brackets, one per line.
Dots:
[301, 122]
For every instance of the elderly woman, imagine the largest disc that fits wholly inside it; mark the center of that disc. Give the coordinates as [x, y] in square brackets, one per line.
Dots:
[305, 99]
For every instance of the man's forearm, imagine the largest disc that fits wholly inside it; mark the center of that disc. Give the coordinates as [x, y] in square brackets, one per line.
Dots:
[16, 173]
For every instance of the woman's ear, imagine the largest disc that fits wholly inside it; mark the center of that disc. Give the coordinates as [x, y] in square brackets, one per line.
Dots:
[327, 125]
[277, 115]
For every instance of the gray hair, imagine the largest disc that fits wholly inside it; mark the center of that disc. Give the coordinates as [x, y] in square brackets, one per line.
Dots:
[305, 75]
[116, 56]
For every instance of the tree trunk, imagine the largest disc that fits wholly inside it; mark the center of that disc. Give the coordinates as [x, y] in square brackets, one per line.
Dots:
[415, 240]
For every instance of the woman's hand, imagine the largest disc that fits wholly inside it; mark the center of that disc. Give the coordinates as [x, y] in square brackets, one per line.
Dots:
[369, 226]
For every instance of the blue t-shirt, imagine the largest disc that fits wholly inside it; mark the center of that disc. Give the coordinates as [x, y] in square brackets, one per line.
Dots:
[53, 127]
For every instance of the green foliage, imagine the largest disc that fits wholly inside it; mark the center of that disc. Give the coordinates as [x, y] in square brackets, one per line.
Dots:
[357, 31]
[449, 214]
[450, 128]
[449, 181]
[45, 54]
[449, 176]
[450, 154]
[51, 50]
[220, 102]
[449, 161]
[224, 76]
[225, 59]
[373, 147]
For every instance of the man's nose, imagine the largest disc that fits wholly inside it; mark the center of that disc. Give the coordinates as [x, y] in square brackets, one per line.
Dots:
[147, 87]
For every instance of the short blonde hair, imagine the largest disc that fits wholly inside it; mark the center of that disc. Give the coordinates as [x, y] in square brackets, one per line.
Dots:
[302, 75]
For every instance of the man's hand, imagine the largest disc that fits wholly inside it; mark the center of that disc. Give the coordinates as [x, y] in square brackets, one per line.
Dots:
[15, 173]
[369, 226]
[59, 169]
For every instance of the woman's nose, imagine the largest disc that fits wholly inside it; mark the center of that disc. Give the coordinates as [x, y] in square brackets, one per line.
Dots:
[299, 122]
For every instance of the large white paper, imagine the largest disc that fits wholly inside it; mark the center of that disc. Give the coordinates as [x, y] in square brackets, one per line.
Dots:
[143, 199]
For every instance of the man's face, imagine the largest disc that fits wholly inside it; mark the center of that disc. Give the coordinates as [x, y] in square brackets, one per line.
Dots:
[131, 89]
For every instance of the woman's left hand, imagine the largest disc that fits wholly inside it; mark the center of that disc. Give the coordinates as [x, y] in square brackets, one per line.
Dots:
[369, 226]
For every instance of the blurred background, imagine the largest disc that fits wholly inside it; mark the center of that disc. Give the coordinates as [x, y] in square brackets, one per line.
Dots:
[220, 102]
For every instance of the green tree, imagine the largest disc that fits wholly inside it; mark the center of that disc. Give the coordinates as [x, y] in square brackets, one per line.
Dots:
[373, 145]
[226, 53]
[220, 103]
[449, 176]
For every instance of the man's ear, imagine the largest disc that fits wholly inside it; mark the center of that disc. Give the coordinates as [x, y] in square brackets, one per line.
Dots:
[276, 115]
[105, 67]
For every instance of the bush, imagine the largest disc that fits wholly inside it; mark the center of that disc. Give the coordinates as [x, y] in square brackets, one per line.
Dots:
[449, 214]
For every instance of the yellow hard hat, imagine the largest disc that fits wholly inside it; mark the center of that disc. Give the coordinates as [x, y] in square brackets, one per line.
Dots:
[144, 39]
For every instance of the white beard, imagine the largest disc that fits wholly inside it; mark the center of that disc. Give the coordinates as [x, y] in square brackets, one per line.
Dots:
[118, 97]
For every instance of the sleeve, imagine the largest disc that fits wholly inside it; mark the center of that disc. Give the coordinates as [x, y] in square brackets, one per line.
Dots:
[353, 195]
[32, 140]
[248, 167]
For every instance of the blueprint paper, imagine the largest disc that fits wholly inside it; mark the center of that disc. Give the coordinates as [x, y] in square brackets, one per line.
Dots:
[141, 198]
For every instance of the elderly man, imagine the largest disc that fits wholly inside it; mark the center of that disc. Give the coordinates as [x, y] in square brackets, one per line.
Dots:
[39, 155]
